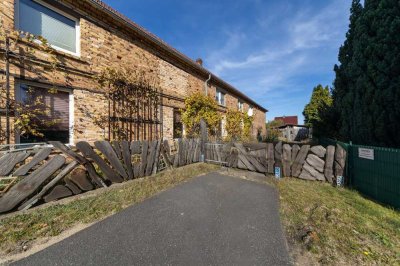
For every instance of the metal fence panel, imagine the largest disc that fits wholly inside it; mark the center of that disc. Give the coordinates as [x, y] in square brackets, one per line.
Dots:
[377, 177]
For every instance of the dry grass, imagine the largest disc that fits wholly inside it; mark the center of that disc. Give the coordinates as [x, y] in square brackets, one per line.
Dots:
[19, 230]
[337, 226]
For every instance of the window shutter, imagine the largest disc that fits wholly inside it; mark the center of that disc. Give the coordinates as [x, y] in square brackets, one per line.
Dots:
[39, 20]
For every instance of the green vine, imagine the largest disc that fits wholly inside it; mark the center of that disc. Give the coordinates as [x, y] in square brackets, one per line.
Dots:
[198, 106]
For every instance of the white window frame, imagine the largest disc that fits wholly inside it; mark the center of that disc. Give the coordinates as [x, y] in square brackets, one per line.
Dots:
[219, 97]
[240, 105]
[250, 112]
[71, 101]
[77, 26]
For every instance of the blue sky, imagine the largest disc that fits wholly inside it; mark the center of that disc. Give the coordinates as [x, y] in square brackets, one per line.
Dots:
[275, 51]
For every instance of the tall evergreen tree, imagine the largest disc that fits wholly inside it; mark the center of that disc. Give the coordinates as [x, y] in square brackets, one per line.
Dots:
[343, 96]
[367, 85]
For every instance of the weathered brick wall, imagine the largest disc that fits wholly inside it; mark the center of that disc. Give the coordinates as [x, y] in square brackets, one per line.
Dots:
[104, 44]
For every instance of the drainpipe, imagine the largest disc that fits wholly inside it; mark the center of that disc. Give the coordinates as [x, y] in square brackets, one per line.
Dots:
[7, 90]
[206, 84]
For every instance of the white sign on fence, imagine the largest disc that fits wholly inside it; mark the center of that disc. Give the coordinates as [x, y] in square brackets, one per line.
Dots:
[366, 153]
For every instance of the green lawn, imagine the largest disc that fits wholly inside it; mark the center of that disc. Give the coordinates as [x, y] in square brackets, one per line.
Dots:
[337, 226]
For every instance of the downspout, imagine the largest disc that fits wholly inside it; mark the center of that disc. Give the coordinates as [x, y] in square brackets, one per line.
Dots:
[206, 84]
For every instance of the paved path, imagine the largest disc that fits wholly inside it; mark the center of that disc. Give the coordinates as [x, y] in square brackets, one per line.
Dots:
[210, 220]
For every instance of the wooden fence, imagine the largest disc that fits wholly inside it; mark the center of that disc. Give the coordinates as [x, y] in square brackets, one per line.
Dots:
[305, 162]
[28, 178]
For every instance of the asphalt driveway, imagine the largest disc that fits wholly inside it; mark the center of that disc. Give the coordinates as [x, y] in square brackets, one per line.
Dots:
[210, 220]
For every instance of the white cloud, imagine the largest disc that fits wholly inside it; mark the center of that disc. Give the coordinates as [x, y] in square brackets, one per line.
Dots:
[287, 59]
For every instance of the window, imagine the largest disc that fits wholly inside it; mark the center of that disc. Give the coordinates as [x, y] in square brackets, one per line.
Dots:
[251, 111]
[54, 119]
[38, 18]
[220, 97]
[178, 126]
[240, 105]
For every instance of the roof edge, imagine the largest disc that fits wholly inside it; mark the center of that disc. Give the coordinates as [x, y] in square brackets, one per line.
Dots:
[100, 5]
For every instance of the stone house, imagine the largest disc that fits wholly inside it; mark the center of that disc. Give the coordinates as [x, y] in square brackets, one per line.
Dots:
[89, 36]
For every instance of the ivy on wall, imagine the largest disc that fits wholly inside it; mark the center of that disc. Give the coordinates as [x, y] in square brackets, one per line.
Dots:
[238, 125]
[198, 106]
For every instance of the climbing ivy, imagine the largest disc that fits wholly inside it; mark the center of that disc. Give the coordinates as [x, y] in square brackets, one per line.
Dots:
[198, 106]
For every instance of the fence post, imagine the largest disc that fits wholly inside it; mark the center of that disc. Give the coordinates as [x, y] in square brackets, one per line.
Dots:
[203, 139]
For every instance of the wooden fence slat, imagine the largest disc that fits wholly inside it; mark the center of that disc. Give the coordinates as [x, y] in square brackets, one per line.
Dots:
[299, 161]
[81, 160]
[58, 192]
[74, 188]
[249, 159]
[27, 186]
[270, 158]
[286, 160]
[18, 157]
[117, 148]
[181, 152]
[108, 151]
[41, 155]
[126, 155]
[79, 178]
[28, 204]
[88, 151]
[165, 152]
[135, 150]
[151, 157]
[143, 161]
[156, 158]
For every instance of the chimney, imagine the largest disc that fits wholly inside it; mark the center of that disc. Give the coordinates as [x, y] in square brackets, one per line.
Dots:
[199, 61]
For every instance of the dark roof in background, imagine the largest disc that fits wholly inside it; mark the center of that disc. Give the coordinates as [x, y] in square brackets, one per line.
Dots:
[288, 120]
[169, 49]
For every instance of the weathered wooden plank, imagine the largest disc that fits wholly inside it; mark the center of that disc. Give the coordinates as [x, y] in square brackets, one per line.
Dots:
[243, 163]
[157, 157]
[329, 160]
[88, 152]
[135, 150]
[36, 159]
[27, 186]
[5, 158]
[295, 151]
[299, 161]
[28, 204]
[340, 156]
[250, 159]
[117, 148]
[319, 151]
[312, 171]
[74, 188]
[126, 156]
[151, 157]
[286, 160]
[108, 151]
[316, 162]
[81, 160]
[78, 177]
[270, 158]
[58, 192]
[181, 153]
[145, 149]
[17, 157]
[135, 147]
[165, 153]
[278, 154]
